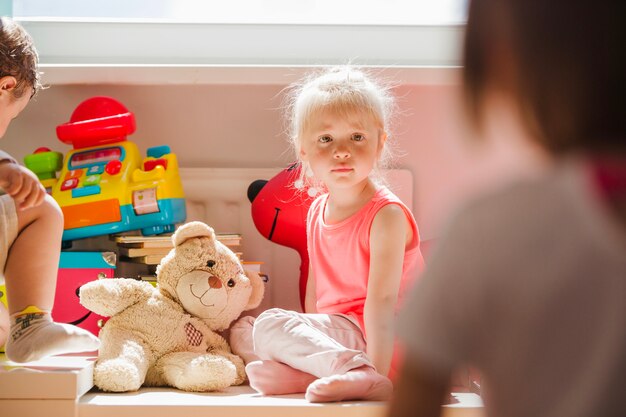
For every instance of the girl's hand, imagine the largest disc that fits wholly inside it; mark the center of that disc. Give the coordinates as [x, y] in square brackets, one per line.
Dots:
[21, 184]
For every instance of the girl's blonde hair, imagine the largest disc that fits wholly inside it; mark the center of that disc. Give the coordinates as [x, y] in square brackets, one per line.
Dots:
[342, 90]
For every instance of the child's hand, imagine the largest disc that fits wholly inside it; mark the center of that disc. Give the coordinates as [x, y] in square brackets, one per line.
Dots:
[21, 184]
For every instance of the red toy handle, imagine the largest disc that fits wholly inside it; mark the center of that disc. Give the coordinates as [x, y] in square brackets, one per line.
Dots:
[102, 130]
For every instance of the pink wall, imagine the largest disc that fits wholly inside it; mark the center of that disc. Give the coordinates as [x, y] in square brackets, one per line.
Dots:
[240, 126]
[449, 162]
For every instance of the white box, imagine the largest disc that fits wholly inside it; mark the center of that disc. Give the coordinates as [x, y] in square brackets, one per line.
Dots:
[57, 377]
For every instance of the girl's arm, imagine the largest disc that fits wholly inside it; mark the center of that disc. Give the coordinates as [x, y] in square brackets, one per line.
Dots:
[389, 236]
[310, 300]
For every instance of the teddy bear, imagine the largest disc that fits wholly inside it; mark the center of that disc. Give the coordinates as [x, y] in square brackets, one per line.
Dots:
[168, 335]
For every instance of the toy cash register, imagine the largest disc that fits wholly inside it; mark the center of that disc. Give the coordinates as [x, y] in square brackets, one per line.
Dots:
[105, 186]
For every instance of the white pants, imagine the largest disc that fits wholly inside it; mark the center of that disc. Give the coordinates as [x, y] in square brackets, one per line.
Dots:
[319, 344]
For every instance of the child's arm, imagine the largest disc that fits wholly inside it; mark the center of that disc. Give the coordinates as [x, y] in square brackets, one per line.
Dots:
[21, 184]
[388, 238]
[310, 300]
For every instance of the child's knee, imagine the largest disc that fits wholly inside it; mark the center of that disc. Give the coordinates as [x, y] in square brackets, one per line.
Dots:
[270, 318]
[48, 211]
[51, 210]
[271, 324]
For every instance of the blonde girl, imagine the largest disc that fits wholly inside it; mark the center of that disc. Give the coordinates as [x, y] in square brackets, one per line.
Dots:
[363, 246]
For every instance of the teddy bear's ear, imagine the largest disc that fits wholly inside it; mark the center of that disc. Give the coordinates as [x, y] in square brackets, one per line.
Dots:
[191, 230]
[258, 289]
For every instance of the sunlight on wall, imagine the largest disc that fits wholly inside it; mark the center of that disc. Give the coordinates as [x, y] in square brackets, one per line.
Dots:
[369, 12]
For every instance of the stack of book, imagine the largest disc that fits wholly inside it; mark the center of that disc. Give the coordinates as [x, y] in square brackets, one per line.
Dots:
[140, 255]
[150, 250]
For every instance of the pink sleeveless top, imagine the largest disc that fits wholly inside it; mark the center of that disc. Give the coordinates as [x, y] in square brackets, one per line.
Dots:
[339, 255]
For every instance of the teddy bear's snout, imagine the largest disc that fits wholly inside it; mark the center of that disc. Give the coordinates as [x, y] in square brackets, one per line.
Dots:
[214, 282]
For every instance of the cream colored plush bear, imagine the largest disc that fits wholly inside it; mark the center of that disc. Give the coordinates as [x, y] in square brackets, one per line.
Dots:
[168, 335]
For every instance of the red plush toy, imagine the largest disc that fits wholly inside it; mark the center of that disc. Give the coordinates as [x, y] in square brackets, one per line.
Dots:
[279, 211]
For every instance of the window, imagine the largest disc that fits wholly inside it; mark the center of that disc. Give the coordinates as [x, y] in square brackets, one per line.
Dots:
[368, 12]
[193, 35]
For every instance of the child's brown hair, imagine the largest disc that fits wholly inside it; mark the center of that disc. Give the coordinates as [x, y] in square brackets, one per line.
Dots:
[567, 78]
[18, 57]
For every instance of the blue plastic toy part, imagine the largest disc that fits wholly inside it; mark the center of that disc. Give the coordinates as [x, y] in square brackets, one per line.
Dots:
[158, 151]
[158, 229]
[171, 211]
[86, 260]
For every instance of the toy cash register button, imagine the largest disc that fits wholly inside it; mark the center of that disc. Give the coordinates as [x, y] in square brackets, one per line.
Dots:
[91, 180]
[95, 169]
[150, 164]
[113, 167]
[85, 191]
[68, 184]
[74, 173]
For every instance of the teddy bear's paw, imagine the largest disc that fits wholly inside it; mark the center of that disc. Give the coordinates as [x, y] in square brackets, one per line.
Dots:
[192, 372]
[117, 375]
[239, 366]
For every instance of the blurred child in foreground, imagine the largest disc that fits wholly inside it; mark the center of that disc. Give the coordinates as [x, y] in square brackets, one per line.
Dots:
[528, 283]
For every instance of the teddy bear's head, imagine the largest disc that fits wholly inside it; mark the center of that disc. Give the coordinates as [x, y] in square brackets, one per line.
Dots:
[207, 278]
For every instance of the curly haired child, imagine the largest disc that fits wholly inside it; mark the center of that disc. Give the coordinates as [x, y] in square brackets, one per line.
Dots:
[31, 224]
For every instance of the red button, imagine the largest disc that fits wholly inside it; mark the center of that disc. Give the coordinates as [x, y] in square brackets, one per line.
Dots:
[69, 184]
[113, 167]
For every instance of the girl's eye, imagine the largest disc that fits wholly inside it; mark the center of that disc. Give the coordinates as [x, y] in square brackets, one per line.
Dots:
[357, 137]
[325, 139]
[210, 263]
[231, 283]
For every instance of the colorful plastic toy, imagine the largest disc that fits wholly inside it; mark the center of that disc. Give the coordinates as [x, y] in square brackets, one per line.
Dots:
[75, 270]
[279, 213]
[105, 186]
[45, 164]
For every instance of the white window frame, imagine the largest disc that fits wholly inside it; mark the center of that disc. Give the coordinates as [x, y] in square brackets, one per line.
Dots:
[79, 50]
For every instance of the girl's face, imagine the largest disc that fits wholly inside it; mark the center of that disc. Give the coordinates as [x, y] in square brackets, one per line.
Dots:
[342, 151]
[10, 107]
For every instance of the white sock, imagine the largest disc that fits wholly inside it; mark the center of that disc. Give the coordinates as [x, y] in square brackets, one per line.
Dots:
[34, 336]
